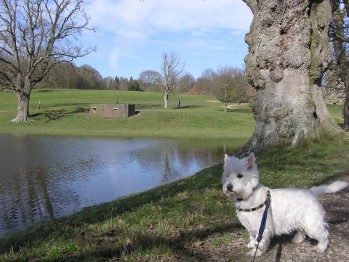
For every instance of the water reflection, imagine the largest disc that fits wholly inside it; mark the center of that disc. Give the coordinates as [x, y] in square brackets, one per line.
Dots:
[48, 177]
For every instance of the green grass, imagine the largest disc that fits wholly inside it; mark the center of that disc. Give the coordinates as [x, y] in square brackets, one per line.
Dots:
[188, 220]
[66, 112]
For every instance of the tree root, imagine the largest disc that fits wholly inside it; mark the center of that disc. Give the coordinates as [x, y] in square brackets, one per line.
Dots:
[22, 120]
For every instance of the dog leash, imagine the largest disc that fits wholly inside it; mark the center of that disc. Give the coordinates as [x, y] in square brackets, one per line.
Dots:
[263, 222]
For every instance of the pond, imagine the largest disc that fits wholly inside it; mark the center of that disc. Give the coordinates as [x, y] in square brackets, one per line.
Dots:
[46, 177]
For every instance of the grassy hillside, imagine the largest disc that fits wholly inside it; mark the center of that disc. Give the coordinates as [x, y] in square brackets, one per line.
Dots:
[66, 112]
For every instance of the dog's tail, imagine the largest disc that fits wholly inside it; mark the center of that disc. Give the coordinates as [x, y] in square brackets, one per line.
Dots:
[327, 189]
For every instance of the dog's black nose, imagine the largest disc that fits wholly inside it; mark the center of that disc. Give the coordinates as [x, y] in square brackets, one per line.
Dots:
[230, 187]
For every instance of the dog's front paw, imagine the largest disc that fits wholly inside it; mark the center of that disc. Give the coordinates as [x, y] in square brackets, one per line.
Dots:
[253, 252]
[251, 244]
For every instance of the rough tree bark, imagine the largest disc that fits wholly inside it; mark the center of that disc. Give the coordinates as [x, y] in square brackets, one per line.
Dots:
[23, 98]
[288, 53]
[341, 58]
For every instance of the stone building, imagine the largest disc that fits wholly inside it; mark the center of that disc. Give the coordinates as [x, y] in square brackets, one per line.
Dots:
[113, 110]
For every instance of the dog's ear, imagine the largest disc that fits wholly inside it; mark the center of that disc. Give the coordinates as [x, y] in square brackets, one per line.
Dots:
[226, 159]
[250, 161]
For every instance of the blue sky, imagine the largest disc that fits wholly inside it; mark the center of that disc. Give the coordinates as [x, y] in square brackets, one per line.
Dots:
[132, 35]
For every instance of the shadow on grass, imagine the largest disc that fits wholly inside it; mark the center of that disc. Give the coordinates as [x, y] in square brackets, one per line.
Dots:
[187, 107]
[149, 106]
[236, 110]
[239, 110]
[341, 124]
[44, 90]
[53, 115]
[180, 244]
[67, 105]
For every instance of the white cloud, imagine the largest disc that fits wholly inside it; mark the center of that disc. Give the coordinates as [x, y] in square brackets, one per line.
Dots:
[133, 31]
[136, 19]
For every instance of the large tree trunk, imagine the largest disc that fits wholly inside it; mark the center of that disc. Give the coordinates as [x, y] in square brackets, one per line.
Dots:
[288, 54]
[166, 95]
[23, 98]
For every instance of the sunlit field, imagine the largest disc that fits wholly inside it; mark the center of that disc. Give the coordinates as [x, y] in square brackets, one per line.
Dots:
[66, 112]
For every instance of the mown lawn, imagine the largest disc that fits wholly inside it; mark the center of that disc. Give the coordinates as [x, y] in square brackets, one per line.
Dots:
[66, 112]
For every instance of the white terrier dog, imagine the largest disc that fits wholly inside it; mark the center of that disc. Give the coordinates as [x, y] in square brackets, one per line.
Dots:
[290, 210]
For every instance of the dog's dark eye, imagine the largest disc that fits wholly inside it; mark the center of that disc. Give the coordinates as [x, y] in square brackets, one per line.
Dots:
[240, 176]
[228, 175]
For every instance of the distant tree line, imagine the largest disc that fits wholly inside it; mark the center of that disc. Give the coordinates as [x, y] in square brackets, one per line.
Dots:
[66, 75]
[210, 82]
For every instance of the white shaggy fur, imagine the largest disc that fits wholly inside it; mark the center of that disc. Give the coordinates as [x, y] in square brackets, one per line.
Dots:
[291, 209]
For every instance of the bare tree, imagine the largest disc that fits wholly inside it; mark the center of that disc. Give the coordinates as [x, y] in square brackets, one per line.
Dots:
[108, 82]
[186, 83]
[210, 82]
[123, 83]
[150, 80]
[226, 91]
[89, 78]
[63, 75]
[34, 36]
[206, 82]
[171, 69]
[244, 90]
